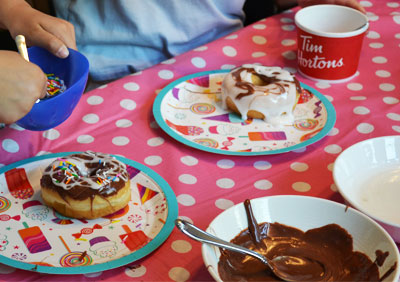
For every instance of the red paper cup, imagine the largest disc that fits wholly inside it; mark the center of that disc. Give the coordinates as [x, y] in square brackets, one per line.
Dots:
[329, 39]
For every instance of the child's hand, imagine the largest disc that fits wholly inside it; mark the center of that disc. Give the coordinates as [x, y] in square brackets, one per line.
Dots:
[21, 84]
[39, 29]
[349, 3]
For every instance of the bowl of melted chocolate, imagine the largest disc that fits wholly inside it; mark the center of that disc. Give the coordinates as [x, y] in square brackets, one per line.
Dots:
[325, 241]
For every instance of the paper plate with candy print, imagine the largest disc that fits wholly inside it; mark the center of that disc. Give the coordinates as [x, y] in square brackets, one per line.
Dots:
[35, 237]
[190, 111]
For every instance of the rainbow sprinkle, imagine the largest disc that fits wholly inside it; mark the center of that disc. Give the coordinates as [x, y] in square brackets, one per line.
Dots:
[68, 168]
[55, 85]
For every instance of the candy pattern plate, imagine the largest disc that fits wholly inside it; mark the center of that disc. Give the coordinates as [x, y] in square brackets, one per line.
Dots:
[35, 237]
[190, 111]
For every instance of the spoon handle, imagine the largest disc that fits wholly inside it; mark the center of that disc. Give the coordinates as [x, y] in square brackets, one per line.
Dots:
[21, 46]
[199, 235]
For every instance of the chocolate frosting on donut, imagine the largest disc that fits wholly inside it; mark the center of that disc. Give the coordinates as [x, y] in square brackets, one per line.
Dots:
[329, 247]
[85, 175]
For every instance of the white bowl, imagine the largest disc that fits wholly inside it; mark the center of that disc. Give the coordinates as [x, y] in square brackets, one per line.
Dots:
[304, 213]
[367, 175]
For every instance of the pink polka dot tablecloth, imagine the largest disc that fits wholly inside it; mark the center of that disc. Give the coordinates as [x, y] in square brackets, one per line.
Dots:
[118, 119]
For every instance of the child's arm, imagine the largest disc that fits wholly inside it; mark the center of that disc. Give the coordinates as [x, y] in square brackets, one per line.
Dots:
[39, 29]
[349, 3]
[21, 84]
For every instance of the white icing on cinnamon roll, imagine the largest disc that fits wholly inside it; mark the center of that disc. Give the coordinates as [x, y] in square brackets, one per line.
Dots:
[254, 91]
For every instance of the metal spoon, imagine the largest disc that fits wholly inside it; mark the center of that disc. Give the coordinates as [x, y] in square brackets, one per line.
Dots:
[278, 265]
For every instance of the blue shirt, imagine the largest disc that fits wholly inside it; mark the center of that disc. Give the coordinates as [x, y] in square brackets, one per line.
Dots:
[124, 36]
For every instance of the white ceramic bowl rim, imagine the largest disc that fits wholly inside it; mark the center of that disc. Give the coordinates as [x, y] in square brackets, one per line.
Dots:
[214, 273]
[343, 192]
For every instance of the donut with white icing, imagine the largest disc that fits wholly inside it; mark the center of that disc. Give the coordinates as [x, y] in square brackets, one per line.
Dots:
[268, 93]
[86, 185]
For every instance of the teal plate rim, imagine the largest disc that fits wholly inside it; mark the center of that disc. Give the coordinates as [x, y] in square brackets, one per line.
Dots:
[330, 122]
[160, 238]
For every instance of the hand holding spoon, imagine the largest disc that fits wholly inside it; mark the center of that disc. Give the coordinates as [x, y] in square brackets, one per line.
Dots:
[22, 50]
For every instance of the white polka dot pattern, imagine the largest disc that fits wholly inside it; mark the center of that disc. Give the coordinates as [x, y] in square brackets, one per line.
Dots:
[333, 149]
[223, 204]
[187, 179]
[169, 62]
[259, 40]
[179, 274]
[299, 167]
[355, 86]
[333, 132]
[229, 51]
[128, 104]
[165, 74]
[16, 127]
[361, 110]
[201, 48]
[95, 100]
[91, 118]
[259, 26]
[120, 140]
[301, 186]
[186, 200]
[263, 184]
[153, 160]
[155, 142]
[51, 134]
[85, 139]
[117, 118]
[391, 100]
[5, 269]
[189, 160]
[181, 246]
[379, 60]
[225, 183]
[123, 123]
[258, 54]
[135, 271]
[262, 165]
[94, 274]
[131, 86]
[382, 73]
[365, 128]
[199, 62]
[226, 163]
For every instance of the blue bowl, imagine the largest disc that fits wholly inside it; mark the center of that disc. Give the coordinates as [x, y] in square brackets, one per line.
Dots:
[51, 112]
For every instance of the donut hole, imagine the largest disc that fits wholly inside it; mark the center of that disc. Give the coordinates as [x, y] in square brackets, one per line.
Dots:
[97, 169]
[258, 81]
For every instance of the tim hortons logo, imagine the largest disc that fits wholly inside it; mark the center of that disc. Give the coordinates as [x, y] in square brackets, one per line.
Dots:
[315, 62]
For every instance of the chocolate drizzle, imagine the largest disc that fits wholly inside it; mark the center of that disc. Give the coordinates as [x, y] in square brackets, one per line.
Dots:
[252, 223]
[249, 87]
[262, 92]
[380, 257]
[329, 247]
[85, 175]
[390, 270]
[242, 84]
